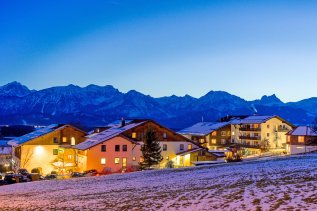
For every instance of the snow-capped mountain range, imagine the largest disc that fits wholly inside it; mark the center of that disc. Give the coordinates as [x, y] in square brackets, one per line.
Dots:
[98, 105]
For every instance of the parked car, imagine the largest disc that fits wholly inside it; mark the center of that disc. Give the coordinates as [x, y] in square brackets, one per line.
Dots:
[13, 178]
[50, 177]
[92, 172]
[3, 182]
[77, 174]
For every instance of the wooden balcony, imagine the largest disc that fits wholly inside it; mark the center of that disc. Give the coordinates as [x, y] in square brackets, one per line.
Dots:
[250, 129]
[250, 137]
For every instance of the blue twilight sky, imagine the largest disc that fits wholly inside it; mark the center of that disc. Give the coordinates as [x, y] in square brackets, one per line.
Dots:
[158, 47]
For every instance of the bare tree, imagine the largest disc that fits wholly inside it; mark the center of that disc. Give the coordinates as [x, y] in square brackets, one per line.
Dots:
[26, 160]
[265, 145]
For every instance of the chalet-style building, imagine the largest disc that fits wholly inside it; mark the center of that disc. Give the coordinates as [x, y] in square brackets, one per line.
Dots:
[251, 133]
[49, 148]
[117, 148]
[257, 132]
[302, 139]
[212, 135]
[5, 154]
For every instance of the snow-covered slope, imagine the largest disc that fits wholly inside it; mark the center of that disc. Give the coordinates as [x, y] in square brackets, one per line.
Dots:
[279, 184]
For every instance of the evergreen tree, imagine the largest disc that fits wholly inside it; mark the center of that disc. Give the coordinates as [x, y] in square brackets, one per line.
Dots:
[151, 150]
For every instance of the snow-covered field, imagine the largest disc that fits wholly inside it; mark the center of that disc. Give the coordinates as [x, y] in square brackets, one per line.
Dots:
[280, 184]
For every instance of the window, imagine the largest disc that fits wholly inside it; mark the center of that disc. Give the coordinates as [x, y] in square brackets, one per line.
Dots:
[55, 151]
[202, 140]
[268, 126]
[232, 133]
[124, 148]
[55, 140]
[256, 134]
[103, 148]
[214, 133]
[167, 158]
[117, 148]
[134, 158]
[164, 147]
[181, 147]
[301, 139]
[267, 135]
[103, 161]
[213, 141]
[117, 160]
[223, 141]
[69, 157]
[189, 146]
[64, 139]
[223, 133]
[288, 139]
[164, 135]
[141, 159]
[72, 141]
[133, 135]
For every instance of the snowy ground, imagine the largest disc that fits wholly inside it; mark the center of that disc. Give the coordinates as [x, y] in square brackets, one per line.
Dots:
[280, 184]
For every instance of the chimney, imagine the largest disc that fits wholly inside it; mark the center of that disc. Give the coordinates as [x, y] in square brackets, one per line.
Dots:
[122, 122]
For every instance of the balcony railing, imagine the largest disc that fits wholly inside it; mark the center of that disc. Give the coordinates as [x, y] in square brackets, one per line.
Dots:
[250, 137]
[250, 129]
[283, 129]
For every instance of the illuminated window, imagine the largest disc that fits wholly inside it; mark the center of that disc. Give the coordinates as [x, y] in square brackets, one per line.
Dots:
[103, 148]
[69, 157]
[214, 141]
[301, 139]
[55, 151]
[167, 158]
[141, 159]
[64, 139]
[190, 146]
[181, 147]
[164, 147]
[72, 141]
[134, 158]
[288, 139]
[164, 135]
[124, 148]
[223, 133]
[55, 140]
[117, 148]
[134, 135]
[103, 161]
[233, 133]
[202, 140]
[214, 133]
[117, 160]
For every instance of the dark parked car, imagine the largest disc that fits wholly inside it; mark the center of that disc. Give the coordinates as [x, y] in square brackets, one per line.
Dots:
[92, 172]
[24, 172]
[13, 178]
[50, 177]
[77, 174]
[3, 182]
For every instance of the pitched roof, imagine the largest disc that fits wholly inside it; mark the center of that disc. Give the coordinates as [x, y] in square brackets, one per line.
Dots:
[95, 139]
[302, 131]
[203, 128]
[37, 133]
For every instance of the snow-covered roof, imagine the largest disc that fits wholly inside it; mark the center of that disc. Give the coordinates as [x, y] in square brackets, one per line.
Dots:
[302, 131]
[255, 119]
[203, 128]
[34, 134]
[105, 135]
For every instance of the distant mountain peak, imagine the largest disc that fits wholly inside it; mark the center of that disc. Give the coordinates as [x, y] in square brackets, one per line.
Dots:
[14, 89]
[270, 100]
